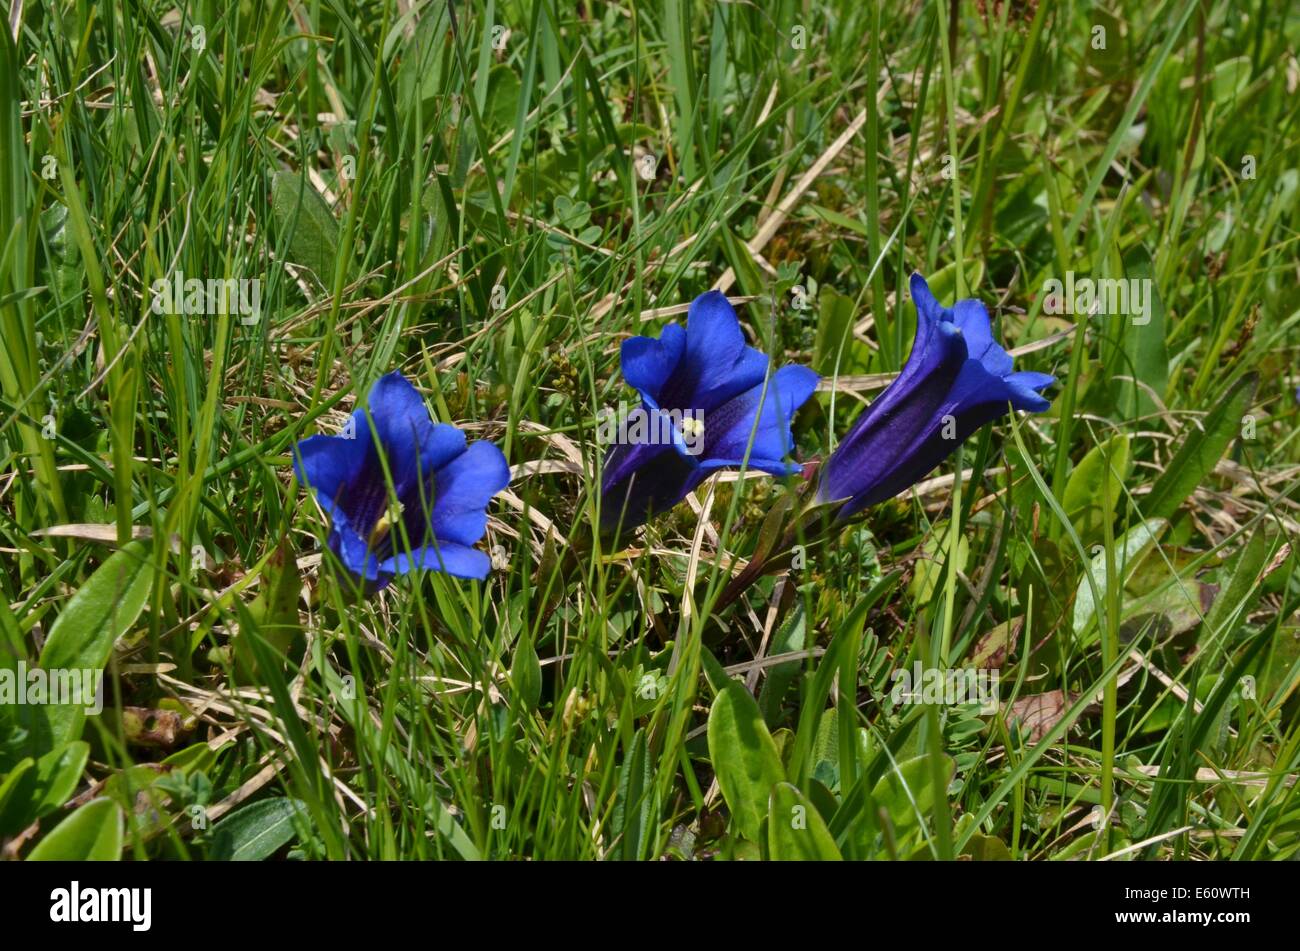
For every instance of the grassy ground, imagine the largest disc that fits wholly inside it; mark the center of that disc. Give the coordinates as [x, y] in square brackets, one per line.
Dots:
[491, 197]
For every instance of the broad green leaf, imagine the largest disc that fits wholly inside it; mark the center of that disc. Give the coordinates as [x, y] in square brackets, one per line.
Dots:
[1230, 79]
[773, 528]
[826, 748]
[906, 792]
[744, 758]
[1019, 217]
[83, 635]
[796, 830]
[1281, 671]
[302, 214]
[1145, 354]
[845, 643]
[91, 834]
[992, 648]
[526, 673]
[421, 62]
[101, 611]
[64, 255]
[835, 349]
[987, 848]
[503, 96]
[713, 670]
[1200, 451]
[1133, 546]
[1242, 590]
[1096, 485]
[929, 566]
[1173, 607]
[272, 615]
[11, 782]
[634, 813]
[42, 789]
[788, 639]
[256, 831]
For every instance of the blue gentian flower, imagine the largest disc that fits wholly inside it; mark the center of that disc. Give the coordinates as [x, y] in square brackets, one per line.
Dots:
[440, 488]
[956, 379]
[703, 388]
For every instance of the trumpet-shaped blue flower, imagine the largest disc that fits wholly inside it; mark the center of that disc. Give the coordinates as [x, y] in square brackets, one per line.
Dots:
[704, 389]
[956, 379]
[436, 511]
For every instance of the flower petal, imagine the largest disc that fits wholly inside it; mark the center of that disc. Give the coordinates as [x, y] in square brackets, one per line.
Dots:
[708, 373]
[929, 347]
[462, 490]
[885, 431]
[718, 363]
[460, 561]
[729, 428]
[661, 479]
[928, 309]
[624, 459]
[956, 380]
[975, 399]
[973, 319]
[351, 549]
[1025, 388]
[344, 473]
[328, 464]
[648, 363]
[713, 330]
[444, 443]
[402, 422]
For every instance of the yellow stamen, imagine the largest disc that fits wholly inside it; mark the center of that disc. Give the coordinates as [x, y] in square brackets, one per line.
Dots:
[692, 426]
[385, 523]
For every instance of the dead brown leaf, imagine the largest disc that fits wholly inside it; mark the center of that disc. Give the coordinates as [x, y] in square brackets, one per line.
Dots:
[1039, 712]
[159, 729]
